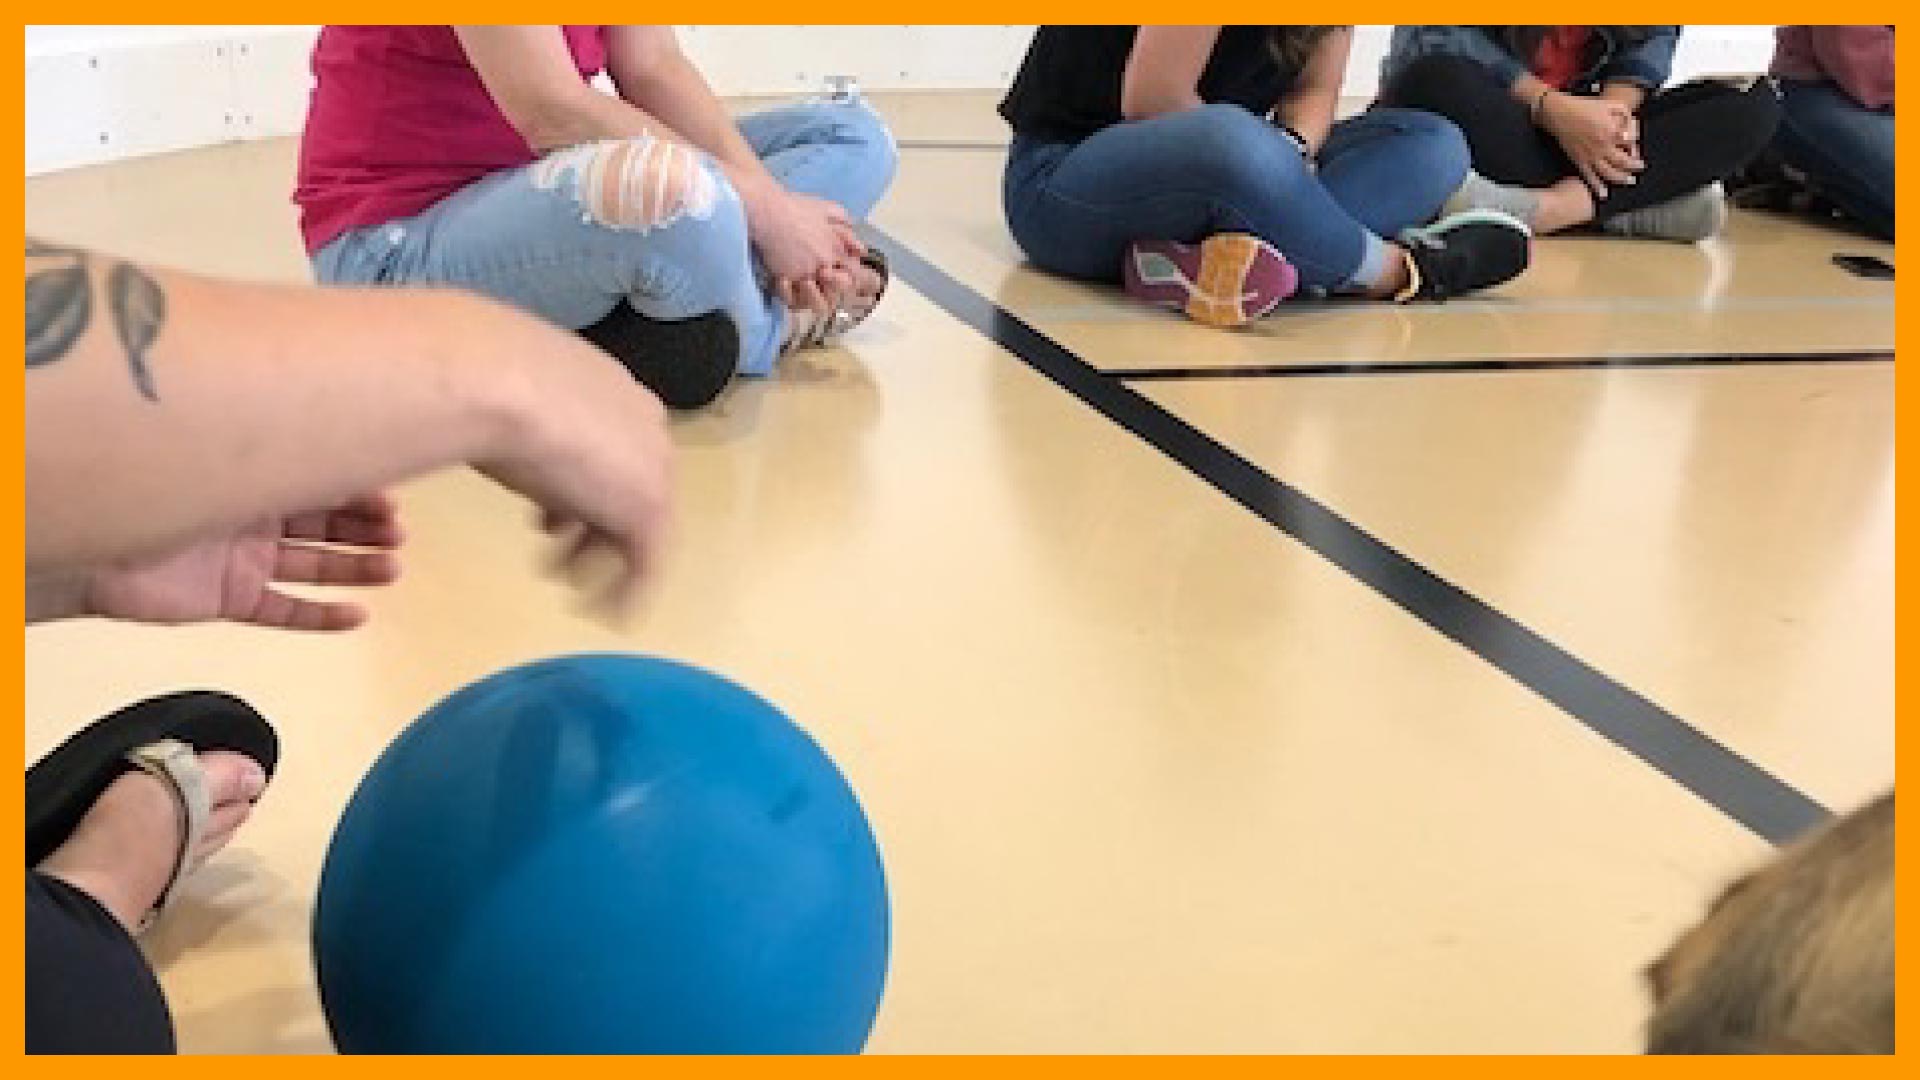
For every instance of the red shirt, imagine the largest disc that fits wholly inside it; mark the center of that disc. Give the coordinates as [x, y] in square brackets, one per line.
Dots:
[400, 120]
[1857, 59]
[1558, 63]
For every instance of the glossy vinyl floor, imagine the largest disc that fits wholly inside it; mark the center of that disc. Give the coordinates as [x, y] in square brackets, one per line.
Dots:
[1151, 771]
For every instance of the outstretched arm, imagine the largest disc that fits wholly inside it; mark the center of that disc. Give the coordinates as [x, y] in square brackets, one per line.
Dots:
[163, 408]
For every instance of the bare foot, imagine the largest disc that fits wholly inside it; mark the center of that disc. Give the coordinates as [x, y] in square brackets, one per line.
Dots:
[123, 852]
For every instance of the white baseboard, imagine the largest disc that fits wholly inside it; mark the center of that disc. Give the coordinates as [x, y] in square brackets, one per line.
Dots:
[98, 94]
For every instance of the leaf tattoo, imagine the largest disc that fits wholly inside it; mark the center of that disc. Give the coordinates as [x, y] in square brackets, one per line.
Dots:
[59, 309]
[59, 306]
[139, 307]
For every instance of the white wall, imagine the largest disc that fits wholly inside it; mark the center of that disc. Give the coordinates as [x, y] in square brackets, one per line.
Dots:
[100, 93]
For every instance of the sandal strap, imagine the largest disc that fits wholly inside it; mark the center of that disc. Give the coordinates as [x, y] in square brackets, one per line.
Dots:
[176, 764]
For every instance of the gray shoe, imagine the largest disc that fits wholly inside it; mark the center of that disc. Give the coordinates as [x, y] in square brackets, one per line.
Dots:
[1688, 219]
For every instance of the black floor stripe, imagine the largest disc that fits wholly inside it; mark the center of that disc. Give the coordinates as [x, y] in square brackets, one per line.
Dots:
[1713, 772]
[1520, 363]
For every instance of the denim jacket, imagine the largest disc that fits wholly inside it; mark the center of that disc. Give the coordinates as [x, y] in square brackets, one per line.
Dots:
[1611, 57]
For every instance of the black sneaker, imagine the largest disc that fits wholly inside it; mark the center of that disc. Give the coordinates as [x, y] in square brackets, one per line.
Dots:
[685, 362]
[1466, 252]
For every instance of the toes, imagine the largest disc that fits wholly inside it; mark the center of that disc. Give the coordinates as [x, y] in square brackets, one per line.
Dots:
[222, 823]
[234, 781]
[232, 778]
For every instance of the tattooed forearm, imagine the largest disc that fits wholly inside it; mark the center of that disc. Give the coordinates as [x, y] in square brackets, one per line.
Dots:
[59, 308]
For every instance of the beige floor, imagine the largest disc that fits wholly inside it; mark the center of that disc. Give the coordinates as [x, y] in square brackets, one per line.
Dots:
[1148, 775]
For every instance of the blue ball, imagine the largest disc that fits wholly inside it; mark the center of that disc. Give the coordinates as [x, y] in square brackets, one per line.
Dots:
[602, 854]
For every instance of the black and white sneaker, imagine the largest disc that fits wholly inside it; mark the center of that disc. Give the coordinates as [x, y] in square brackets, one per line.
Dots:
[685, 362]
[1465, 252]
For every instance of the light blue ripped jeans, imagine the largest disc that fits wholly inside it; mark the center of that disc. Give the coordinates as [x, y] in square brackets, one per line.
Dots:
[568, 237]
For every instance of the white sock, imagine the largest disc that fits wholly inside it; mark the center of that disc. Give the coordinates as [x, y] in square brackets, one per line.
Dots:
[1477, 192]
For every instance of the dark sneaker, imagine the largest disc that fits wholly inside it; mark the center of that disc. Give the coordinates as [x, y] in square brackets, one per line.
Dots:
[685, 362]
[1466, 252]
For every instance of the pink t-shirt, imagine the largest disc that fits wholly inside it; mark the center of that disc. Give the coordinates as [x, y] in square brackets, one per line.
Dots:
[400, 120]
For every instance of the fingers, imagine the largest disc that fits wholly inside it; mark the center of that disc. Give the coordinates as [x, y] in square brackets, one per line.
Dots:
[1591, 179]
[283, 612]
[1613, 169]
[836, 284]
[1622, 162]
[851, 246]
[368, 521]
[309, 564]
[867, 281]
[374, 506]
[804, 294]
[807, 294]
[604, 568]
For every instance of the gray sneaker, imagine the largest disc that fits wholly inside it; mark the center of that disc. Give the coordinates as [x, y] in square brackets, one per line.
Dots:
[1686, 219]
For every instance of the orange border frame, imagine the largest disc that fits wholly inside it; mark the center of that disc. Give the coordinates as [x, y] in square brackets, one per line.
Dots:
[958, 11]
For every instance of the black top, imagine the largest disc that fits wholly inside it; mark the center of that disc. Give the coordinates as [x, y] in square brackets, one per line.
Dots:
[1069, 84]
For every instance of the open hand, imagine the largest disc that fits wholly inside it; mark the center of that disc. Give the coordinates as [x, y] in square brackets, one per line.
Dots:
[232, 577]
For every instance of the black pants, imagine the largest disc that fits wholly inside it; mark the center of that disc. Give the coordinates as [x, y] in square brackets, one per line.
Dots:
[1690, 135]
[89, 989]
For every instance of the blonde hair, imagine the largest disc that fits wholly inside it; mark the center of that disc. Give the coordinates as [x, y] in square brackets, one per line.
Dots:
[1795, 958]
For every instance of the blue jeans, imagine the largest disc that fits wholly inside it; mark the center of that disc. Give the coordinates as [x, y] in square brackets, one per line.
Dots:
[573, 234]
[1075, 206]
[1846, 150]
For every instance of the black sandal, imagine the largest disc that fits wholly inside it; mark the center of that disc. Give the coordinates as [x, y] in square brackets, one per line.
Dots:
[163, 736]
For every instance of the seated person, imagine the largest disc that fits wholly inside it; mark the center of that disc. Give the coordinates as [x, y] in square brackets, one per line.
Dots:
[688, 245]
[1201, 167]
[1574, 125]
